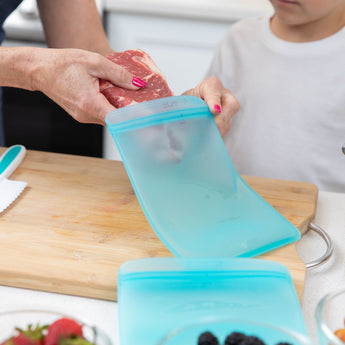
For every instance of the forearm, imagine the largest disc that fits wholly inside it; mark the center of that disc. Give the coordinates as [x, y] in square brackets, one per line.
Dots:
[73, 24]
[17, 66]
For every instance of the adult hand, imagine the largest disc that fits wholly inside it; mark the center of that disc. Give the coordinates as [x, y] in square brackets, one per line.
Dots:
[221, 102]
[70, 77]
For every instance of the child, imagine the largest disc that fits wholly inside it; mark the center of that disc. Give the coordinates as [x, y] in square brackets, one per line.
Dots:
[288, 73]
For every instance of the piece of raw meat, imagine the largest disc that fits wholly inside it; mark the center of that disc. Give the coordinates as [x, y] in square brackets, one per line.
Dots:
[140, 65]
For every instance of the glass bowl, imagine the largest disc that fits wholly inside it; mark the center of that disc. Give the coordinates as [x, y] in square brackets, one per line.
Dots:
[330, 316]
[269, 334]
[9, 320]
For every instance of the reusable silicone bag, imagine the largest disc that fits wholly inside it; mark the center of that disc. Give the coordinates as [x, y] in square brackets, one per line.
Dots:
[187, 186]
[159, 295]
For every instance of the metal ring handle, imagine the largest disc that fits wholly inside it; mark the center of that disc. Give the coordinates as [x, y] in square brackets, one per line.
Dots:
[329, 242]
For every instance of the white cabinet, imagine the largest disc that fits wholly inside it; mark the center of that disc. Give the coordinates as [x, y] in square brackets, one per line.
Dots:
[182, 46]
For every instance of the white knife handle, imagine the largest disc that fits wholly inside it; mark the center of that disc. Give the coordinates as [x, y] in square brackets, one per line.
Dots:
[11, 159]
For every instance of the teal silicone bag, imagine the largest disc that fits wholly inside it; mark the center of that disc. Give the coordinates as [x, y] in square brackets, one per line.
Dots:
[159, 295]
[187, 186]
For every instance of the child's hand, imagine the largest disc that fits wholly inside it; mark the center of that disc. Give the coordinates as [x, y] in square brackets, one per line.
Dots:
[221, 101]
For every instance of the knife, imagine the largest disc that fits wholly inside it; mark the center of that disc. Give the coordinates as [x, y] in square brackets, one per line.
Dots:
[9, 161]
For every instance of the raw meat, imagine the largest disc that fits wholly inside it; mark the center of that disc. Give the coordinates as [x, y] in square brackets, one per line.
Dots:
[140, 65]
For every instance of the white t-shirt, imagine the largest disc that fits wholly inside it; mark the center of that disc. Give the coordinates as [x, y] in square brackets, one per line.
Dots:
[291, 124]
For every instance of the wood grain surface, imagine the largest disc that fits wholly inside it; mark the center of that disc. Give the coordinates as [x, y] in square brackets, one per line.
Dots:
[78, 220]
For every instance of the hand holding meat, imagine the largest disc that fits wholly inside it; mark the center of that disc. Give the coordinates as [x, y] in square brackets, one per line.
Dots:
[70, 77]
[221, 102]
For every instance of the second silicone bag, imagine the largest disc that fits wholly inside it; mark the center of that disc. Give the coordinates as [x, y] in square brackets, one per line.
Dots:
[159, 295]
[187, 186]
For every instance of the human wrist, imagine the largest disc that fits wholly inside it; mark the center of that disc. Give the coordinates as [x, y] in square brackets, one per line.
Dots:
[17, 67]
[34, 68]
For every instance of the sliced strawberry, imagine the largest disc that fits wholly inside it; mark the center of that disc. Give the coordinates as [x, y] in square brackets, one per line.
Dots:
[60, 329]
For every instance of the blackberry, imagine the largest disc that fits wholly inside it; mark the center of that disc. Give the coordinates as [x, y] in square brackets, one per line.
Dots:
[207, 338]
[252, 340]
[234, 338]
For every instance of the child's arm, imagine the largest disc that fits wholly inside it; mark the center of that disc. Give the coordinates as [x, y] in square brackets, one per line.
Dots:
[221, 101]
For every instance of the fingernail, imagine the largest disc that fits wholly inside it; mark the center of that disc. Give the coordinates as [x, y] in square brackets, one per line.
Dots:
[217, 108]
[138, 82]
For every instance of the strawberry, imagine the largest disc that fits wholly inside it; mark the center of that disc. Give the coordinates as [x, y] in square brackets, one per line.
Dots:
[31, 336]
[74, 341]
[62, 329]
[23, 339]
[6, 342]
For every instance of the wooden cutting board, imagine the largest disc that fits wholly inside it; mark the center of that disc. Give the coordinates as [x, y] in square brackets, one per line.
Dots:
[78, 220]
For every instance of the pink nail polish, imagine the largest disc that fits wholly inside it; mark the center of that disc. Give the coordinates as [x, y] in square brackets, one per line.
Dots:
[138, 82]
[217, 108]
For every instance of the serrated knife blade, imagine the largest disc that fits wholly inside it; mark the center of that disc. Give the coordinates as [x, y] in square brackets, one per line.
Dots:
[9, 161]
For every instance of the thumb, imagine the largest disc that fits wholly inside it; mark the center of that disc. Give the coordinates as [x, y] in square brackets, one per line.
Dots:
[119, 76]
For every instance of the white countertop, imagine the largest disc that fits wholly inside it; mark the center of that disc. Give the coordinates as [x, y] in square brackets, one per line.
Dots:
[330, 215]
[319, 281]
[226, 10]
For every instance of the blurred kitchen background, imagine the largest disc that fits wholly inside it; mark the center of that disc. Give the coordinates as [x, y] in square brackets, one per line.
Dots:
[180, 36]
